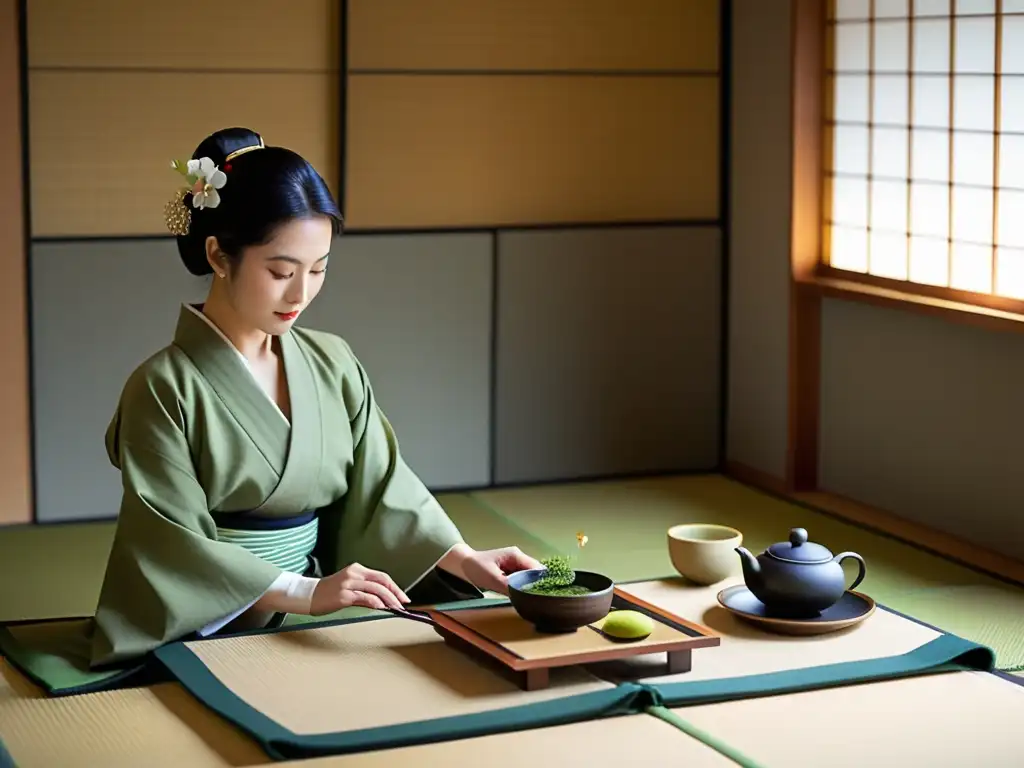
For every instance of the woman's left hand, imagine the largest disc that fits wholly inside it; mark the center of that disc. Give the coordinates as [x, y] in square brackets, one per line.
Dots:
[487, 570]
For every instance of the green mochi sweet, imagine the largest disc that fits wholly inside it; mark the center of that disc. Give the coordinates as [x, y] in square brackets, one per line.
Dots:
[627, 625]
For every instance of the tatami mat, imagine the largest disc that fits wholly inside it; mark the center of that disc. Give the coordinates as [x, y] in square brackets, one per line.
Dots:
[989, 615]
[626, 522]
[950, 720]
[153, 727]
[48, 571]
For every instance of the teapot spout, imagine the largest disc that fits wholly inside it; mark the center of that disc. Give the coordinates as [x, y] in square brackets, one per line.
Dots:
[751, 568]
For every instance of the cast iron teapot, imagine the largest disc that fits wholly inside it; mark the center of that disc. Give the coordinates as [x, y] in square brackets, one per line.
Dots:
[797, 579]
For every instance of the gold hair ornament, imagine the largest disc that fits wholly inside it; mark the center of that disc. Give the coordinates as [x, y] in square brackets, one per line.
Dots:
[242, 151]
[177, 215]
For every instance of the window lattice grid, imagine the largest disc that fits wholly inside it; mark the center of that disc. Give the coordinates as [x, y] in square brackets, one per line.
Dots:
[925, 142]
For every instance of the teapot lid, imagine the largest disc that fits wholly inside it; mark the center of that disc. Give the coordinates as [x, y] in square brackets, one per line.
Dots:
[799, 550]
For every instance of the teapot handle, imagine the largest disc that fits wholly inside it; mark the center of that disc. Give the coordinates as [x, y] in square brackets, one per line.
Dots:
[860, 563]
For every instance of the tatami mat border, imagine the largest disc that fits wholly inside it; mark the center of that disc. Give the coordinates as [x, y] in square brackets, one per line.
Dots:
[6, 761]
[706, 738]
[946, 653]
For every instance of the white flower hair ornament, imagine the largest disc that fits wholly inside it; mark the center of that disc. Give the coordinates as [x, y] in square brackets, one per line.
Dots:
[204, 179]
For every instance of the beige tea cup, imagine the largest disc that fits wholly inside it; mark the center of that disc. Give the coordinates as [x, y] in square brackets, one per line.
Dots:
[704, 553]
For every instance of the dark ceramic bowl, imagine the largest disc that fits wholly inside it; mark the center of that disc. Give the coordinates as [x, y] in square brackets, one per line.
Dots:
[553, 613]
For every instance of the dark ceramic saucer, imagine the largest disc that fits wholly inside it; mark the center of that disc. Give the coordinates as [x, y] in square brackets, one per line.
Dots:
[852, 608]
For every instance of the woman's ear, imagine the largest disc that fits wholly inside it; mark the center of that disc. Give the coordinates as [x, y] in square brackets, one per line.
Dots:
[215, 257]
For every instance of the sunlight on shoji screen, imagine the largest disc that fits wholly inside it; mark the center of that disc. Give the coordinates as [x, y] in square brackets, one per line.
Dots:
[927, 129]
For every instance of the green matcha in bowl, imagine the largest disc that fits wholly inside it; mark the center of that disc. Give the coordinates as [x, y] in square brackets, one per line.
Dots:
[558, 599]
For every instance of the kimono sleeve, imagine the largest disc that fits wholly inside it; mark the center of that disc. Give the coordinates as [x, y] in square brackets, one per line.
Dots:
[388, 519]
[167, 576]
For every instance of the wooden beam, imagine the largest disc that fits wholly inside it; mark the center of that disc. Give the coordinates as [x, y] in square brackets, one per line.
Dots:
[875, 292]
[806, 241]
[15, 426]
[924, 537]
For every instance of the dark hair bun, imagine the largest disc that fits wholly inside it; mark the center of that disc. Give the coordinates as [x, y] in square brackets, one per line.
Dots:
[265, 187]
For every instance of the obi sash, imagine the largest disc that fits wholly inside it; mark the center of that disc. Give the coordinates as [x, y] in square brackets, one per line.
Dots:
[286, 542]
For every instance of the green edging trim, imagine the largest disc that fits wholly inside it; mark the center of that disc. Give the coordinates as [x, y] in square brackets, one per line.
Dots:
[943, 654]
[702, 736]
[282, 744]
[57, 676]
[6, 761]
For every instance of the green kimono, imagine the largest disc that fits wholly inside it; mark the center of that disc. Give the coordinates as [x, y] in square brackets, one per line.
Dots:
[207, 458]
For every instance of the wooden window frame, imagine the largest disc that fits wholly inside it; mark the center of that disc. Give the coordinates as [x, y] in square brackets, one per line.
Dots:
[811, 271]
[811, 281]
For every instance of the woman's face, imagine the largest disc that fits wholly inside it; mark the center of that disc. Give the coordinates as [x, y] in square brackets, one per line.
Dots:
[272, 283]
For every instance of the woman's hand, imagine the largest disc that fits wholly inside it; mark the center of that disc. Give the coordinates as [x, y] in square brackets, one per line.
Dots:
[488, 570]
[356, 585]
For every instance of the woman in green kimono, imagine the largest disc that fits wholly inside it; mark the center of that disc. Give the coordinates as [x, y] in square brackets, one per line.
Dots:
[260, 477]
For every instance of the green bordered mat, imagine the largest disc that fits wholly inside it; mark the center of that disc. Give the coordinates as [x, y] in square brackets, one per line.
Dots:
[53, 654]
[373, 682]
[292, 691]
[752, 661]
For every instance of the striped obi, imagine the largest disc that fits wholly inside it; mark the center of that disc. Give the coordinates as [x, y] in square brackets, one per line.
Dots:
[286, 542]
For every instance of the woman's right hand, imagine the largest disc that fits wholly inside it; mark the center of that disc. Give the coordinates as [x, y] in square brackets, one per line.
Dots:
[356, 585]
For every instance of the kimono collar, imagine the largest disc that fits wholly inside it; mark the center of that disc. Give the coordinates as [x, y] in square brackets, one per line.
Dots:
[227, 372]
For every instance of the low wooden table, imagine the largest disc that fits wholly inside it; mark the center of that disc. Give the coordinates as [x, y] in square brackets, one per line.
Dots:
[499, 636]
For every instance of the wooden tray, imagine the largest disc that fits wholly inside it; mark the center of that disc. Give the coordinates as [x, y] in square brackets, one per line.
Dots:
[499, 635]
